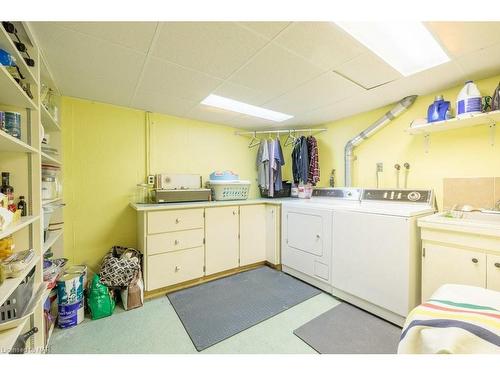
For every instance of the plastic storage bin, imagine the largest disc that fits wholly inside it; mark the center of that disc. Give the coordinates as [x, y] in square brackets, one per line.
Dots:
[18, 300]
[229, 190]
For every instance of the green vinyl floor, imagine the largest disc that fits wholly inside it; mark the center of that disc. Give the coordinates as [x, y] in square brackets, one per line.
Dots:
[155, 328]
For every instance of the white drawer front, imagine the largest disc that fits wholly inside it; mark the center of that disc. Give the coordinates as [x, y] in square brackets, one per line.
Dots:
[172, 241]
[174, 267]
[169, 221]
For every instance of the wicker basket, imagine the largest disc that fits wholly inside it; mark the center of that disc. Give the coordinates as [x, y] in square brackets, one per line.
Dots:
[229, 190]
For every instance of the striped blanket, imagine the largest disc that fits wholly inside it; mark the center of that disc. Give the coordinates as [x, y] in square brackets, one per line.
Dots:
[457, 319]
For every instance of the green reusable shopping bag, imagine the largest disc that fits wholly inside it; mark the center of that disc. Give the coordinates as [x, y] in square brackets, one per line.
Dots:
[101, 303]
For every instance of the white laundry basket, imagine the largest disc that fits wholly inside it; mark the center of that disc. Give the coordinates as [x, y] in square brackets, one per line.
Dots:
[229, 190]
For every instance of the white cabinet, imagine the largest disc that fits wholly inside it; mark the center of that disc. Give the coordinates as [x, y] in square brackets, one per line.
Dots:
[273, 234]
[448, 265]
[252, 234]
[493, 272]
[221, 239]
[307, 241]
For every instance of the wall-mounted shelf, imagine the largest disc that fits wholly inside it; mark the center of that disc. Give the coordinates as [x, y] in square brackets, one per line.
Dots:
[52, 239]
[8, 337]
[488, 118]
[10, 285]
[9, 143]
[22, 223]
[12, 94]
[46, 202]
[49, 123]
[46, 159]
[7, 44]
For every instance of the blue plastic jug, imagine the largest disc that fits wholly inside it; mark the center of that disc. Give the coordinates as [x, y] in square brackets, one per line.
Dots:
[439, 110]
[6, 58]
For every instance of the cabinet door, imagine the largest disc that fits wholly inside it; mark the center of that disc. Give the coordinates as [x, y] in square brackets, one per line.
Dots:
[447, 265]
[252, 234]
[273, 234]
[221, 239]
[493, 272]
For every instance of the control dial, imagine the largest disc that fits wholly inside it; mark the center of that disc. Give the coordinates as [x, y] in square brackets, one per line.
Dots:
[413, 196]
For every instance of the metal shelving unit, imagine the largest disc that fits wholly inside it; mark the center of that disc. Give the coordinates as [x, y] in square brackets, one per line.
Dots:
[23, 158]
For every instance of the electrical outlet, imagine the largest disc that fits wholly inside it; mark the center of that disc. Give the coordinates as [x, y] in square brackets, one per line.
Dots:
[151, 180]
[380, 167]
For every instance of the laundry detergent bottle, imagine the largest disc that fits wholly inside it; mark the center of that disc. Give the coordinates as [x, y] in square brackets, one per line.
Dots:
[469, 100]
[439, 110]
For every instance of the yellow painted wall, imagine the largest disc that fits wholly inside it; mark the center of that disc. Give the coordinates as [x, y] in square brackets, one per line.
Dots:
[457, 153]
[104, 157]
[180, 145]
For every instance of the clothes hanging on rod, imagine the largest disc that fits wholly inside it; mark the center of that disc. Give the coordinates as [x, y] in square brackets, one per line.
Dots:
[276, 161]
[262, 163]
[312, 147]
[300, 161]
[305, 161]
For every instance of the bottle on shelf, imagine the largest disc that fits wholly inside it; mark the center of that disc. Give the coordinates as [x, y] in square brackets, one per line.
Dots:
[8, 191]
[21, 205]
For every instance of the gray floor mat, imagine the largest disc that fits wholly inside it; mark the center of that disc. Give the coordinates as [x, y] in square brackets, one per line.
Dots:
[346, 329]
[219, 309]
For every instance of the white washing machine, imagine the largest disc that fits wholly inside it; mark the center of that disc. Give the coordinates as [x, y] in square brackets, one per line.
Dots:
[372, 248]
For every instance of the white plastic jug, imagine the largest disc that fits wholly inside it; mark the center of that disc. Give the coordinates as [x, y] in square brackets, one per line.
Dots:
[469, 100]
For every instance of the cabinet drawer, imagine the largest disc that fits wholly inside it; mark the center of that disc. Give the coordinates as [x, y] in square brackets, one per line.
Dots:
[174, 267]
[169, 221]
[493, 272]
[172, 241]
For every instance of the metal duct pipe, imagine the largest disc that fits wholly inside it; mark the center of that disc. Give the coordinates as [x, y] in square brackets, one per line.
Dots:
[400, 107]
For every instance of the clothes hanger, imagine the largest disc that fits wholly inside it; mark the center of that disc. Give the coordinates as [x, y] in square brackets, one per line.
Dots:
[255, 141]
[290, 140]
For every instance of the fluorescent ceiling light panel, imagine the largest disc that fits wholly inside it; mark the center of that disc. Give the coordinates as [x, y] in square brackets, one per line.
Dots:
[247, 109]
[407, 46]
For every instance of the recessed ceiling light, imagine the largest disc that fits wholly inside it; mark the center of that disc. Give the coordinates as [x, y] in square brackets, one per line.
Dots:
[247, 109]
[407, 46]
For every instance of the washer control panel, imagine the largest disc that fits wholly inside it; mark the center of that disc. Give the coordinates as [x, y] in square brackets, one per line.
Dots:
[398, 195]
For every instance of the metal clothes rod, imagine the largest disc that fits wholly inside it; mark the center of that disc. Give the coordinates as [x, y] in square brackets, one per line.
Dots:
[281, 131]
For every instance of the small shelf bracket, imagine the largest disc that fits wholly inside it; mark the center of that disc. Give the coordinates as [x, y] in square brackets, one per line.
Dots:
[492, 127]
[427, 141]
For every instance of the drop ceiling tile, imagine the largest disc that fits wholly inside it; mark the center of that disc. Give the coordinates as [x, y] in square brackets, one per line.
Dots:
[254, 123]
[211, 114]
[90, 68]
[368, 70]
[162, 76]
[324, 89]
[135, 35]
[215, 48]
[162, 102]
[240, 93]
[461, 38]
[267, 29]
[275, 71]
[322, 43]
[481, 64]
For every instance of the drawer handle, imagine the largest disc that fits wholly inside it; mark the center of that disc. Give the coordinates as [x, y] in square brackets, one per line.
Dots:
[318, 236]
[177, 221]
[497, 265]
[475, 260]
[176, 242]
[234, 212]
[177, 268]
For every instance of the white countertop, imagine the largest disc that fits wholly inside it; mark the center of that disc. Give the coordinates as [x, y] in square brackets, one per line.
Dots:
[185, 205]
[476, 223]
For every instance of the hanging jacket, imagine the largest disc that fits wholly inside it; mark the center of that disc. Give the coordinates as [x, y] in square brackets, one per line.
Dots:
[277, 161]
[300, 161]
[313, 174]
[262, 164]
